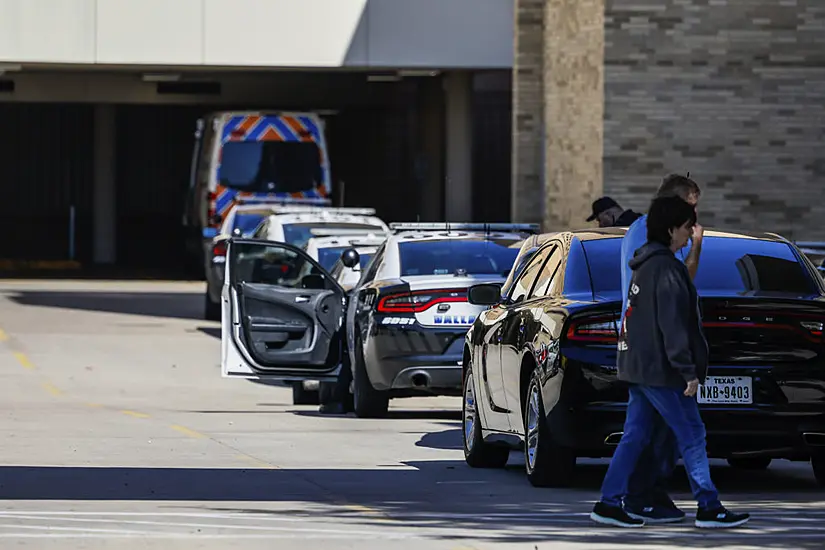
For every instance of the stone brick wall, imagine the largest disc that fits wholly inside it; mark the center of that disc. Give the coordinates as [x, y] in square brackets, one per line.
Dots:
[732, 91]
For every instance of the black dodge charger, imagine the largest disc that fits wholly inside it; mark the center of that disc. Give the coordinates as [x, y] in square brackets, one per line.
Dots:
[539, 365]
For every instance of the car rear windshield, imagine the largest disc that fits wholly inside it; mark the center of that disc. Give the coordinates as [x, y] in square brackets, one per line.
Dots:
[451, 256]
[727, 264]
[271, 166]
[297, 234]
[247, 222]
[328, 256]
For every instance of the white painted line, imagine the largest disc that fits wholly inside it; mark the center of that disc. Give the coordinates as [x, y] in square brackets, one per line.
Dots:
[374, 533]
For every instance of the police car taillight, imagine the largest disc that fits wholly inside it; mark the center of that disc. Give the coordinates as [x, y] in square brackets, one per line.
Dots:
[594, 330]
[219, 249]
[420, 300]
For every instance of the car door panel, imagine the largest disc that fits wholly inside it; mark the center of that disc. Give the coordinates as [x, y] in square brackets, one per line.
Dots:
[488, 364]
[282, 314]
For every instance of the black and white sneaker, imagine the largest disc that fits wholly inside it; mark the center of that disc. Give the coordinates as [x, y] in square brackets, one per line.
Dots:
[720, 518]
[614, 515]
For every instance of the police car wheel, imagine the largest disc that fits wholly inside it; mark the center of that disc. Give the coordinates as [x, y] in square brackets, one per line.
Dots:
[477, 453]
[212, 310]
[548, 464]
[368, 402]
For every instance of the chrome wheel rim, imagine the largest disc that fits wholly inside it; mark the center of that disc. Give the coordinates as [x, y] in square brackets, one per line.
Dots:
[532, 426]
[469, 412]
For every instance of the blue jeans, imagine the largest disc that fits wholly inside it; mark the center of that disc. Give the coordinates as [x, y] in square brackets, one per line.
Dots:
[681, 414]
[647, 485]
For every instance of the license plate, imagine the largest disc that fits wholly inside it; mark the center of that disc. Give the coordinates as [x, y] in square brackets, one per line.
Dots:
[726, 390]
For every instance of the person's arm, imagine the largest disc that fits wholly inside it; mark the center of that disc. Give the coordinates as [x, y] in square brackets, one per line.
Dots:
[692, 261]
[673, 316]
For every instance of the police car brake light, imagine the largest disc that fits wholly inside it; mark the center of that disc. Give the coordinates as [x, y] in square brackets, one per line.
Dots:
[460, 226]
[601, 329]
[420, 300]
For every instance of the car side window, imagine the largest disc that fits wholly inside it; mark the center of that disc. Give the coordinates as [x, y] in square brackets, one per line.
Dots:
[261, 231]
[548, 273]
[523, 285]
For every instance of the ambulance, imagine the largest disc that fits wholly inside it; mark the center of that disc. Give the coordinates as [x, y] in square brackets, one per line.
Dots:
[250, 155]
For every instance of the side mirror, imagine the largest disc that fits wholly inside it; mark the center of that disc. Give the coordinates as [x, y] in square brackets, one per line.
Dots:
[487, 294]
[210, 233]
[350, 258]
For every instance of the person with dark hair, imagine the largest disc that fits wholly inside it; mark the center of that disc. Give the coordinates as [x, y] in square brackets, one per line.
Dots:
[648, 498]
[609, 214]
[663, 357]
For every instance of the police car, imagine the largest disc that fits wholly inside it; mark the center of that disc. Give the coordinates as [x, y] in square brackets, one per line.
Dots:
[297, 228]
[326, 250]
[402, 327]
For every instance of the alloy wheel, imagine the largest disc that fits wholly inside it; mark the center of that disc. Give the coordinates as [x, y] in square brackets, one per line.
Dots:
[532, 426]
[469, 412]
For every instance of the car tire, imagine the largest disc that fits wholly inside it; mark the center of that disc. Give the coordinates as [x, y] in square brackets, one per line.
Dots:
[548, 464]
[750, 463]
[367, 401]
[303, 396]
[212, 310]
[477, 453]
[818, 464]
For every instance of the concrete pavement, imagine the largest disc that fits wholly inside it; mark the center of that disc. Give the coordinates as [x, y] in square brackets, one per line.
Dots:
[119, 432]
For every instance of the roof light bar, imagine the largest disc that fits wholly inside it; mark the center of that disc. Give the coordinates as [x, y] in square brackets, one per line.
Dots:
[366, 242]
[333, 232]
[461, 226]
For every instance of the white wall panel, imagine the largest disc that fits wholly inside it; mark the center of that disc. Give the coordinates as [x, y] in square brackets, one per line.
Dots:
[441, 33]
[285, 33]
[50, 31]
[168, 32]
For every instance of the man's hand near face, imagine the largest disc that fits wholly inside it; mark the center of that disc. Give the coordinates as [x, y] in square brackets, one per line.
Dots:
[692, 261]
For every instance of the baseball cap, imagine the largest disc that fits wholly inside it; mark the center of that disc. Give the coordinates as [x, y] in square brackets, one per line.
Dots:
[600, 205]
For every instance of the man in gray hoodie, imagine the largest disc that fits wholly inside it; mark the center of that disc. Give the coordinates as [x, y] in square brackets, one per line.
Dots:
[663, 355]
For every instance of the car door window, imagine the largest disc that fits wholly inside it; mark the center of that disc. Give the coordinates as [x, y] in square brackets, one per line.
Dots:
[277, 265]
[524, 283]
[545, 284]
[372, 268]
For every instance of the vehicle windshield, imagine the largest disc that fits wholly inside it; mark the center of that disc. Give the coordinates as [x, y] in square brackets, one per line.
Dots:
[271, 166]
[297, 234]
[727, 264]
[247, 222]
[328, 256]
[450, 256]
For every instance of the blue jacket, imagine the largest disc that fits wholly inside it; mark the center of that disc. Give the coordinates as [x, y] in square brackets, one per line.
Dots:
[633, 240]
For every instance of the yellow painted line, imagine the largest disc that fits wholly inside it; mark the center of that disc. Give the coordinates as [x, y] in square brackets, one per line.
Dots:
[3, 336]
[94, 405]
[54, 390]
[135, 414]
[186, 431]
[258, 463]
[23, 360]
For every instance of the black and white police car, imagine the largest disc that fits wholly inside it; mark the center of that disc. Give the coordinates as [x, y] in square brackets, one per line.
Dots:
[286, 318]
[408, 315]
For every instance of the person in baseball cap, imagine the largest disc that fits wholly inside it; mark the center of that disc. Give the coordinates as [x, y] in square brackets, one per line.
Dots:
[610, 214]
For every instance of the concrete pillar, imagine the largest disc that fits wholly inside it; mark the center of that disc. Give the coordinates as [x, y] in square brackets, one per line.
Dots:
[458, 192]
[558, 111]
[105, 197]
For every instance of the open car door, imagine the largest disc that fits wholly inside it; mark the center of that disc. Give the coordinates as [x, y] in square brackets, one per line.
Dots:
[282, 314]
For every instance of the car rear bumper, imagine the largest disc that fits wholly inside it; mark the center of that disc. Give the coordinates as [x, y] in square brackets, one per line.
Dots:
[425, 360]
[595, 431]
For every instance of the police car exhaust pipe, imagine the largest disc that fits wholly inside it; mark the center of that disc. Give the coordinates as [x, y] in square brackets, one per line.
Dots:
[420, 380]
[613, 439]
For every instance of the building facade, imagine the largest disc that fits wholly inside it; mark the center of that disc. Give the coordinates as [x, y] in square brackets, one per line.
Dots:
[619, 93]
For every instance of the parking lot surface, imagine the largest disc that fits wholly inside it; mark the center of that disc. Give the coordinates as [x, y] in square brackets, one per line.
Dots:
[118, 431]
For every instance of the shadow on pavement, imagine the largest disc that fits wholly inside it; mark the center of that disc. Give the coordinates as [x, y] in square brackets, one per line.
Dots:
[442, 497]
[448, 439]
[178, 305]
[214, 332]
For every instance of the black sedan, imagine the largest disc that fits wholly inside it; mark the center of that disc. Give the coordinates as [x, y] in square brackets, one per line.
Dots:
[539, 365]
